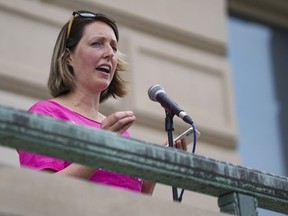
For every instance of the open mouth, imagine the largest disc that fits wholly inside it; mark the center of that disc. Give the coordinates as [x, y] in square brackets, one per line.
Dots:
[104, 68]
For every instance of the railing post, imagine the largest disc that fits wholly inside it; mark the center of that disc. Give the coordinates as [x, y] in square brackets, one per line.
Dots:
[238, 204]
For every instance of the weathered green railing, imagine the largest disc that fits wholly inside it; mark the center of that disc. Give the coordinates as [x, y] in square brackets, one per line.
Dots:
[239, 190]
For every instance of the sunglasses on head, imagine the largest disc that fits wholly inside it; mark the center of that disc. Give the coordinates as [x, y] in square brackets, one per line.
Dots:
[81, 13]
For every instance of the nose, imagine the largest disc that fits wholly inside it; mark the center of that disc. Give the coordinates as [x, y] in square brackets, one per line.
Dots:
[109, 51]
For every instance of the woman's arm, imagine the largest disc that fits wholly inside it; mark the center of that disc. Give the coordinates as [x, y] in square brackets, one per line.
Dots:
[77, 170]
[116, 122]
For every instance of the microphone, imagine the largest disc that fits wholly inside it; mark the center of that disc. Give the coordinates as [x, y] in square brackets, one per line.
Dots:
[156, 93]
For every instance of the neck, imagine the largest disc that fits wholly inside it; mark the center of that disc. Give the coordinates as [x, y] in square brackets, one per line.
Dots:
[83, 104]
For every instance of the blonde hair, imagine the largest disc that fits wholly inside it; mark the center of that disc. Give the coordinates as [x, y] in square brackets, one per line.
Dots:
[61, 78]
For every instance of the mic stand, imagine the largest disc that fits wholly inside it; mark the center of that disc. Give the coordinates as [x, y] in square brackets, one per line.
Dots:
[169, 127]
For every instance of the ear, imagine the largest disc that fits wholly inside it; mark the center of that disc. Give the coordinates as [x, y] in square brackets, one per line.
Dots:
[68, 57]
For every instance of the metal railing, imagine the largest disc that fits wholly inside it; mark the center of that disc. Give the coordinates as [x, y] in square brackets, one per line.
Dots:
[240, 190]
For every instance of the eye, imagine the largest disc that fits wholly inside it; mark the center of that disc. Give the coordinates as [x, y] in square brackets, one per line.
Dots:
[114, 46]
[97, 43]
[115, 49]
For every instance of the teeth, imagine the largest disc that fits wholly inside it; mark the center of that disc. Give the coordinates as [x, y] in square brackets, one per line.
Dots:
[104, 68]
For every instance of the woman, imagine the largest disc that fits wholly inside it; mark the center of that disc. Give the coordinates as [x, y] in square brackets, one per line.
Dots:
[84, 72]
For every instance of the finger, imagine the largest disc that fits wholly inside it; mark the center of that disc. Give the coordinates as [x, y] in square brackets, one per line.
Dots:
[178, 144]
[123, 124]
[181, 144]
[184, 145]
[114, 117]
[118, 121]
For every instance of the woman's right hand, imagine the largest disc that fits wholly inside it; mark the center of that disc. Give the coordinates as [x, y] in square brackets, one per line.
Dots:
[118, 121]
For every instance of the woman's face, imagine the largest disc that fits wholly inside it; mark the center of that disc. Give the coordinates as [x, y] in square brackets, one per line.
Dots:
[94, 59]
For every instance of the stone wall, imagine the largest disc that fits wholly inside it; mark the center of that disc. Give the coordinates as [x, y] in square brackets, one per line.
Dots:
[180, 45]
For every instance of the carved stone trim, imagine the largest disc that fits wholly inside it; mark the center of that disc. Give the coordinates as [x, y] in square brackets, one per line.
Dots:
[21, 87]
[271, 12]
[158, 29]
[37, 11]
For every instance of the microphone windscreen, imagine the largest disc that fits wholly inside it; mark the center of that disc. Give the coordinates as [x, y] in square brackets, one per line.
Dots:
[154, 90]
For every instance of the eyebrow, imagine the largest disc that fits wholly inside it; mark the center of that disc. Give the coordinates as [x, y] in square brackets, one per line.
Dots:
[103, 38]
